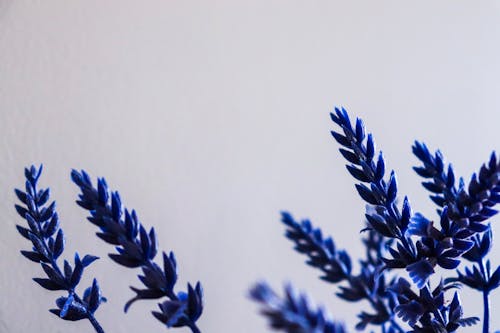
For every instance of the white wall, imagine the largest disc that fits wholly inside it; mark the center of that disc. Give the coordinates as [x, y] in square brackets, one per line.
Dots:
[212, 116]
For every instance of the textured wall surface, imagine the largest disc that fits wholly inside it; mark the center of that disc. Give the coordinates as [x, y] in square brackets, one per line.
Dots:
[212, 116]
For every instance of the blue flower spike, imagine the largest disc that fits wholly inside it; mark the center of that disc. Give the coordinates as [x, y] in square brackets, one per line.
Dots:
[137, 248]
[336, 266]
[466, 210]
[48, 242]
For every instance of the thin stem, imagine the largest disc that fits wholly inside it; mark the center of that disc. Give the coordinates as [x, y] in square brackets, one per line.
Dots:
[486, 317]
[486, 299]
[95, 323]
[194, 328]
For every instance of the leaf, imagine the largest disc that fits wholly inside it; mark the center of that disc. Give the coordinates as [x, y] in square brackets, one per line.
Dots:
[88, 259]
[102, 190]
[195, 301]
[370, 147]
[494, 281]
[49, 284]
[52, 226]
[42, 197]
[145, 247]
[108, 238]
[68, 270]
[95, 297]
[39, 245]
[58, 244]
[32, 223]
[21, 210]
[53, 274]
[380, 169]
[366, 194]
[21, 196]
[392, 189]
[77, 272]
[170, 268]
[24, 232]
[125, 260]
[342, 140]
[349, 156]
[153, 244]
[33, 256]
[455, 309]
[378, 224]
[357, 173]
[432, 187]
[143, 294]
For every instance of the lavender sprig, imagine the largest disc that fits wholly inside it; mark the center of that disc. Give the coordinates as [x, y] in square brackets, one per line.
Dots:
[467, 209]
[467, 206]
[369, 284]
[137, 248]
[293, 313]
[47, 239]
[335, 264]
[385, 217]
[440, 179]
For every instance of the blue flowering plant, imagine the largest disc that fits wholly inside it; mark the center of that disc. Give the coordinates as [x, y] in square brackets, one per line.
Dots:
[405, 251]
[135, 248]
[409, 276]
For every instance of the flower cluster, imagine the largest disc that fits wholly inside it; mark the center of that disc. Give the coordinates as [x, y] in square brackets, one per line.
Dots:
[397, 238]
[47, 239]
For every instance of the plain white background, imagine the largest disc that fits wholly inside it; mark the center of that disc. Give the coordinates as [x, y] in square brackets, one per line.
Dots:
[212, 116]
